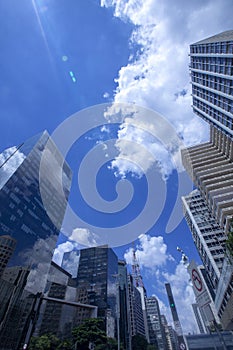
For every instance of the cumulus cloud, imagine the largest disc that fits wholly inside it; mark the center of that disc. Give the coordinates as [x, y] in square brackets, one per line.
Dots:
[151, 252]
[84, 237]
[62, 248]
[10, 160]
[39, 259]
[146, 139]
[183, 295]
[157, 75]
[153, 257]
[71, 261]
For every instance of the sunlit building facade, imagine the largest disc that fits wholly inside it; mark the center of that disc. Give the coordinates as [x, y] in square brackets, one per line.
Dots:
[137, 324]
[155, 326]
[210, 166]
[211, 69]
[208, 236]
[170, 335]
[209, 209]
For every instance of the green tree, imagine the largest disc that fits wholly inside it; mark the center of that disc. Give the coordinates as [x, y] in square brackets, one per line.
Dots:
[44, 342]
[110, 345]
[151, 347]
[66, 345]
[139, 342]
[91, 331]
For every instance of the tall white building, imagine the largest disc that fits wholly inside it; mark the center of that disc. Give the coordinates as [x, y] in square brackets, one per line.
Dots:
[209, 209]
[208, 236]
[212, 84]
[210, 166]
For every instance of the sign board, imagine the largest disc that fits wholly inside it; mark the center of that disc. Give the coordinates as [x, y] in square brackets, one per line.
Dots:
[199, 286]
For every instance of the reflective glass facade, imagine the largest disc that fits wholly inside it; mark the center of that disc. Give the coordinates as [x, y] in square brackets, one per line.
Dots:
[124, 314]
[25, 219]
[97, 274]
[60, 312]
[7, 247]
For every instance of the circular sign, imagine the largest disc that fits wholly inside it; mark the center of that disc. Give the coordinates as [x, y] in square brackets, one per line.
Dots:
[196, 280]
[182, 346]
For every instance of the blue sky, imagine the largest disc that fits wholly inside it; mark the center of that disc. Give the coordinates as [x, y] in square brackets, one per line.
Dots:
[61, 56]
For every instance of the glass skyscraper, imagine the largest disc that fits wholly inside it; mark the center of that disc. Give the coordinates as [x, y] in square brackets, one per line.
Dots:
[97, 283]
[33, 228]
[7, 247]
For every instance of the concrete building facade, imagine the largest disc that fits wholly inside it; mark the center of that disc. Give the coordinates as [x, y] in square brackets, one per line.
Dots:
[209, 209]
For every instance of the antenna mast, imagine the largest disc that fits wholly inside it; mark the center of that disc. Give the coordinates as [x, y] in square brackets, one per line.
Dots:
[136, 270]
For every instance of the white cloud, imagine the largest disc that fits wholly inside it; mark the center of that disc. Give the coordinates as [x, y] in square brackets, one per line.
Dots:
[10, 160]
[84, 237]
[157, 76]
[151, 252]
[184, 297]
[61, 249]
[139, 150]
[39, 259]
[153, 257]
[71, 263]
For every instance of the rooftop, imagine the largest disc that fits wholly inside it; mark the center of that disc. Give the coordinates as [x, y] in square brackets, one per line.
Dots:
[224, 36]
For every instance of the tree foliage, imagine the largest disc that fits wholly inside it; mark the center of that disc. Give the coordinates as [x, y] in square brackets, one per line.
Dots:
[152, 347]
[139, 342]
[44, 342]
[91, 331]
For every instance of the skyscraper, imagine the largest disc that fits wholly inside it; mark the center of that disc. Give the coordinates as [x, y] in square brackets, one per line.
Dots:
[7, 247]
[22, 211]
[170, 335]
[124, 325]
[199, 319]
[208, 236]
[137, 325]
[209, 209]
[210, 167]
[97, 283]
[33, 227]
[60, 312]
[212, 85]
[155, 327]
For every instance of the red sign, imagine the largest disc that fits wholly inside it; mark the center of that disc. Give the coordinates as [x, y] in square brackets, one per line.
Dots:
[196, 280]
